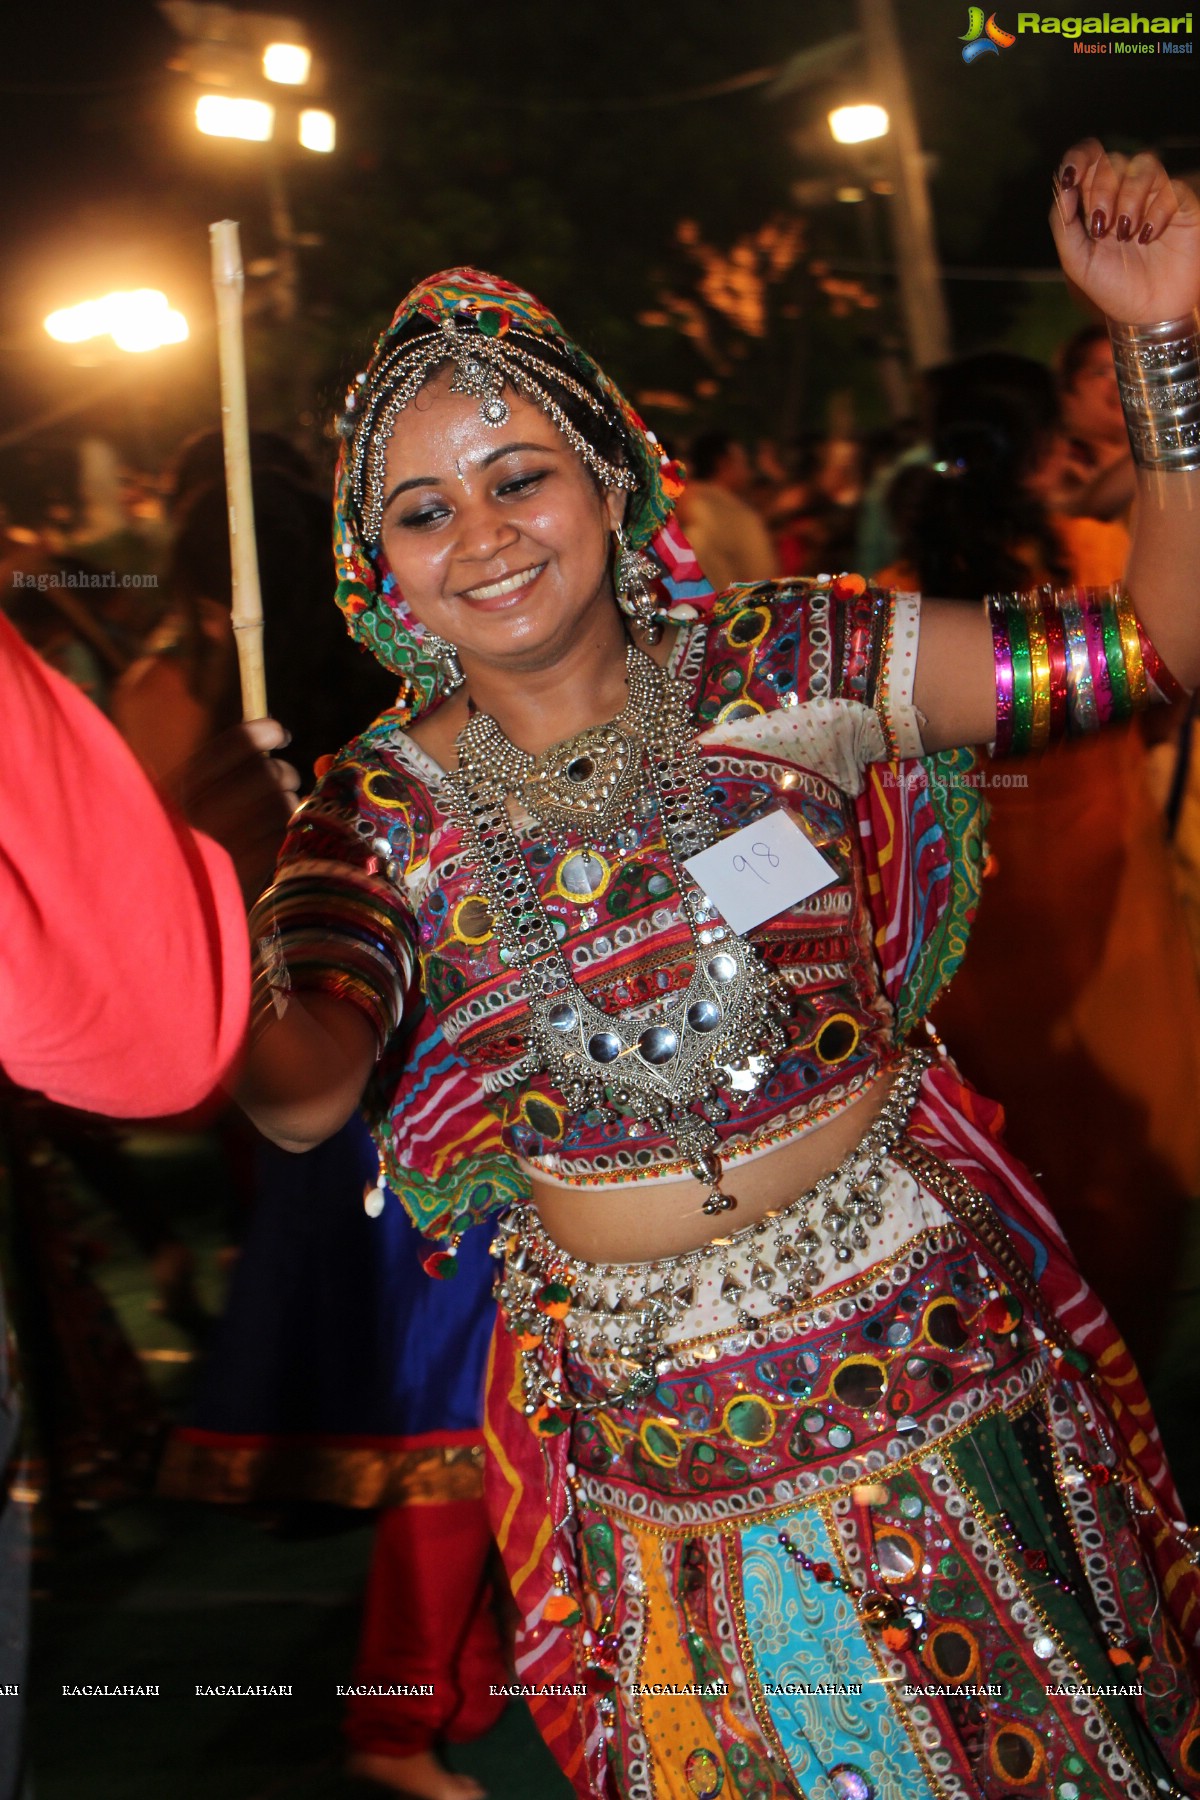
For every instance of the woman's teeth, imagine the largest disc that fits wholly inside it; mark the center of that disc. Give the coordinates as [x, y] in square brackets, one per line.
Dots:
[495, 590]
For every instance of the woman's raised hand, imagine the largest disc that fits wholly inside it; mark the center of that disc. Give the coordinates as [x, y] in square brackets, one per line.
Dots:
[1127, 235]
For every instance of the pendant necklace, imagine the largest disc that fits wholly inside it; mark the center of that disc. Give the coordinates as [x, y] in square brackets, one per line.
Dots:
[654, 1063]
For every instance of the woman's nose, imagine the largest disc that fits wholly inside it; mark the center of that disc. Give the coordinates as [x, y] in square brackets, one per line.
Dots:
[484, 530]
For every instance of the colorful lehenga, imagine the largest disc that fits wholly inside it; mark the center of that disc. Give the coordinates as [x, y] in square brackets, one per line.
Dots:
[939, 1471]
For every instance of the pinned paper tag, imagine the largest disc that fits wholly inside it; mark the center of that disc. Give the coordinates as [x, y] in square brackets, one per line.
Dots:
[761, 870]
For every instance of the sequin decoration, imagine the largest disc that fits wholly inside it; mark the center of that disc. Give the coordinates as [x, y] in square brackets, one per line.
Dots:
[705, 1775]
[849, 1783]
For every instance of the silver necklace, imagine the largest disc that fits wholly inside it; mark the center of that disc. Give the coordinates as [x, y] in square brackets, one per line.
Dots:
[651, 1063]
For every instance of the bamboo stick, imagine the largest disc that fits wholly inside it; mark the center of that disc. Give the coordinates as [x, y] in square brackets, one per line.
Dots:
[228, 285]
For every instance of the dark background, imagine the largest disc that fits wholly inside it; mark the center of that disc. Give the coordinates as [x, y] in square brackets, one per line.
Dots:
[572, 147]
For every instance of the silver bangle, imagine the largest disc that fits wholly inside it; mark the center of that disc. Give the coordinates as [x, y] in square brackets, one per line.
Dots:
[1158, 375]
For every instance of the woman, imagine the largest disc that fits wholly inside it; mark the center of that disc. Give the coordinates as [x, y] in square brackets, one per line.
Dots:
[1106, 1021]
[798, 1407]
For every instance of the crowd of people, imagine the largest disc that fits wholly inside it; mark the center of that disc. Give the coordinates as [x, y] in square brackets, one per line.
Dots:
[1080, 1001]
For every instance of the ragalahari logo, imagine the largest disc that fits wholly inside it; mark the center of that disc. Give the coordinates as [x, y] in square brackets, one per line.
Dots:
[983, 38]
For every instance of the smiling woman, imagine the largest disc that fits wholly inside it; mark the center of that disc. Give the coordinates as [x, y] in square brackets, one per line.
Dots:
[777, 1494]
[500, 547]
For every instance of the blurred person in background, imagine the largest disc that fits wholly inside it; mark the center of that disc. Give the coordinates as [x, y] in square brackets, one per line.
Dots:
[1097, 1014]
[1099, 480]
[59, 621]
[185, 688]
[729, 537]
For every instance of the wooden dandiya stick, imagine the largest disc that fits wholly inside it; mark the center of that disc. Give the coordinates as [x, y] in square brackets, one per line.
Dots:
[228, 286]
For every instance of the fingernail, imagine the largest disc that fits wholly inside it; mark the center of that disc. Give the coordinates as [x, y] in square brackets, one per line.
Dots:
[1068, 175]
[1099, 223]
[1146, 233]
[1124, 227]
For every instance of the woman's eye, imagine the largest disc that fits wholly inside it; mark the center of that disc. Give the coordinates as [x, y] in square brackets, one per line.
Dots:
[423, 516]
[520, 484]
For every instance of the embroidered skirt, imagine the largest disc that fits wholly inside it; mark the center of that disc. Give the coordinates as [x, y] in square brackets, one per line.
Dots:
[890, 1541]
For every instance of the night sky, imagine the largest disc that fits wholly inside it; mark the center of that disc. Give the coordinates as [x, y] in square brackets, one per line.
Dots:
[108, 184]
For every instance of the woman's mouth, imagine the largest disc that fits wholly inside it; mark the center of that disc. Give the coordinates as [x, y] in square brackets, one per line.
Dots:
[491, 591]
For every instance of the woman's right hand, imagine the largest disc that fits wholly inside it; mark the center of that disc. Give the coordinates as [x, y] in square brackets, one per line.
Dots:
[236, 791]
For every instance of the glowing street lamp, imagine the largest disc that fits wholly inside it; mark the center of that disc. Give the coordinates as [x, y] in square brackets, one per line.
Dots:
[220, 115]
[288, 64]
[317, 129]
[858, 124]
[136, 321]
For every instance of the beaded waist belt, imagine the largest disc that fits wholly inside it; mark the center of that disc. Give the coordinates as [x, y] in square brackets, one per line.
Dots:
[623, 1315]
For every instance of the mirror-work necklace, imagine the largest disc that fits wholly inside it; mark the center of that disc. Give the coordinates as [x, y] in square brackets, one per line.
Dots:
[657, 1063]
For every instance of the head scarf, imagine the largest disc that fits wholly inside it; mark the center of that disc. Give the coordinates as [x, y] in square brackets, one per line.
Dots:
[484, 309]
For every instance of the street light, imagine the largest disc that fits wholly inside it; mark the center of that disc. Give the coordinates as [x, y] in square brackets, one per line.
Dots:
[858, 124]
[317, 129]
[136, 321]
[220, 115]
[288, 64]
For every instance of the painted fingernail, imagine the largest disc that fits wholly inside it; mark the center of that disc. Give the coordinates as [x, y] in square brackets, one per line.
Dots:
[1068, 175]
[1124, 227]
[1099, 223]
[1146, 233]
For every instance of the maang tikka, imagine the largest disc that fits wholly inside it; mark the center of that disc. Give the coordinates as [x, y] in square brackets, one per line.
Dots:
[633, 573]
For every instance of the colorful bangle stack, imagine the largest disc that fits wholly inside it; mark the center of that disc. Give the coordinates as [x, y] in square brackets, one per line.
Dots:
[331, 935]
[1068, 662]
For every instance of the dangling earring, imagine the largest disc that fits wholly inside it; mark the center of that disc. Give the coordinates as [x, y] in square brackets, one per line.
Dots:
[632, 574]
[447, 655]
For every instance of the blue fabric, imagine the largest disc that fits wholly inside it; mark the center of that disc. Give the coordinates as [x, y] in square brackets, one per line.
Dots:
[804, 1632]
[332, 1326]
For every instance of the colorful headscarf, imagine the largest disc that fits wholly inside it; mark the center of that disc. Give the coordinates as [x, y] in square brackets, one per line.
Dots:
[467, 304]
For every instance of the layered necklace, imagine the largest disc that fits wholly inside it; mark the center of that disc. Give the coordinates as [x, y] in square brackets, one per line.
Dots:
[655, 1063]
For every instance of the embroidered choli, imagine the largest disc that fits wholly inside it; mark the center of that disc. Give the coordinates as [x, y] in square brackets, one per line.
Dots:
[796, 694]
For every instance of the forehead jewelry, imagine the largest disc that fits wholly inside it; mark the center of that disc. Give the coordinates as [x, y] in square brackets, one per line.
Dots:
[483, 367]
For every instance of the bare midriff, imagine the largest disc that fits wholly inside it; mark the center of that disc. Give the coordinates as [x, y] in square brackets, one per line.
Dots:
[641, 1220]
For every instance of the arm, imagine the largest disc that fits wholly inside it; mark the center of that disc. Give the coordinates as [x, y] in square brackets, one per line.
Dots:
[1134, 282]
[332, 940]
[305, 1074]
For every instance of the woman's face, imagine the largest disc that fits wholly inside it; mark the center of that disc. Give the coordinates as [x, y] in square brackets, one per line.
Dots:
[498, 537]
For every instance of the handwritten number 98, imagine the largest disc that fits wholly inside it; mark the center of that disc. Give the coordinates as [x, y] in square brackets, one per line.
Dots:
[765, 854]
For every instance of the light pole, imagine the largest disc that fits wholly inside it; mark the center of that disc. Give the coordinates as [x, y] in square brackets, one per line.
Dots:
[917, 267]
[248, 58]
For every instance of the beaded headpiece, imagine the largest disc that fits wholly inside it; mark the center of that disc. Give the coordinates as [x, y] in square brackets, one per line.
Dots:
[494, 336]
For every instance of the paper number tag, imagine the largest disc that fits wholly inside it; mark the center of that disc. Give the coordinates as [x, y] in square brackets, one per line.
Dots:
[761, 870]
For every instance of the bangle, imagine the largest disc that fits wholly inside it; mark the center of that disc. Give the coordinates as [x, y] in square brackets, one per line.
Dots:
[1039, 667]
[1056, 650]
[1114, 657]
[1163, 685]
[1131, 648]
[1158, 375]
[1082, 715]
[1002, 651]
[1068, 663]
[1022, 666]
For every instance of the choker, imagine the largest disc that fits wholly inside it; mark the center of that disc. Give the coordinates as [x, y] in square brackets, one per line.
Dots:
[711, 1044]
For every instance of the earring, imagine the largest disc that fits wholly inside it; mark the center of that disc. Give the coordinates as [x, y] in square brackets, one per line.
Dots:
[445, 653]
[632, 574]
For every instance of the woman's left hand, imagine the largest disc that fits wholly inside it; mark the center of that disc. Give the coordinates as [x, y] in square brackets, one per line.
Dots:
[1127, 235]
